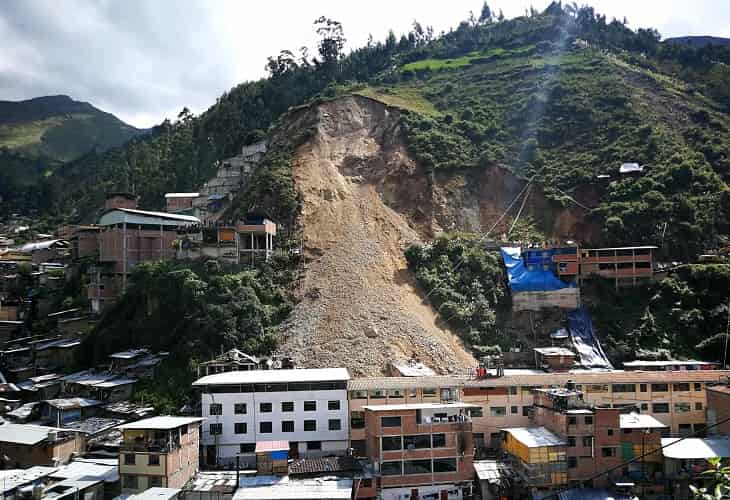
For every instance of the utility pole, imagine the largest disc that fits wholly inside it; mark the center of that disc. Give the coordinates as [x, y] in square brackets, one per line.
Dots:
[727, 333]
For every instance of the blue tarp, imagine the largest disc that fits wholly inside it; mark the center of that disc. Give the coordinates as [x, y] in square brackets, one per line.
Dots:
[534, 276]
[585, 340]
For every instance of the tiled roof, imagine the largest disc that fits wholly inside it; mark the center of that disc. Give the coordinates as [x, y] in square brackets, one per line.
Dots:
[323, 465]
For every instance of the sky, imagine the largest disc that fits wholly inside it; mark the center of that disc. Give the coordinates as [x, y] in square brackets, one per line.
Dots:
[145, 60]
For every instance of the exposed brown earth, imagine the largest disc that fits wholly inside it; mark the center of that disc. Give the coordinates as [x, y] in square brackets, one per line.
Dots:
[364, 201]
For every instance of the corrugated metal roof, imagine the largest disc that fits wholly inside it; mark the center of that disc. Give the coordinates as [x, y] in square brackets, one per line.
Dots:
[13, 478]
[667, 363]
[86, 470]
[156, 493]
[324, 465]
[131, 216]
[182, 195]
[420, 406]
[535, 437]
[493, 471]
[541, 379]
[639, 421]
[696, 448]
[264, 446]
[25, 434]
[73, 403]
[294, 489]
[275, 376]
[554, 351]
[161, 423]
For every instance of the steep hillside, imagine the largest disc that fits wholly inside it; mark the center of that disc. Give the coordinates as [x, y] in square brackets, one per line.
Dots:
[364, 200]
[59, 128]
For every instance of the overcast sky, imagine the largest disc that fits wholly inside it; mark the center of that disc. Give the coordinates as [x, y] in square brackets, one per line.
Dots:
[144, 60]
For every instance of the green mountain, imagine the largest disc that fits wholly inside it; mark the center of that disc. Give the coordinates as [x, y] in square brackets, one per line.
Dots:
[561, 98]
[59, 128]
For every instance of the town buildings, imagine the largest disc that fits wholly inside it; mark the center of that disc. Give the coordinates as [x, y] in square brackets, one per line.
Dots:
[424, 450]
[307, 407]
[24, 445]
[159, 452]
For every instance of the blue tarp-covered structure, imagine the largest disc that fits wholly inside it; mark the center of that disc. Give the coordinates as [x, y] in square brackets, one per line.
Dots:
[533, 272]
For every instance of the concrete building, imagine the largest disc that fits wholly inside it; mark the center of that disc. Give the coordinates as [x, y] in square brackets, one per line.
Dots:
[677, 399]
[159, 452]
[25, 445]
[180, 202]
[128, 237]
[627, 266]
[718, 409]
[422, 450]
[307, 407]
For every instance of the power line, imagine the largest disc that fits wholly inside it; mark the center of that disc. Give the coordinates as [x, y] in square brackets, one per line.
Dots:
[636, 459]
[519, 212]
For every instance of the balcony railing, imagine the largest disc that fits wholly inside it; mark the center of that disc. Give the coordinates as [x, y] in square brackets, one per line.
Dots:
[149, 446]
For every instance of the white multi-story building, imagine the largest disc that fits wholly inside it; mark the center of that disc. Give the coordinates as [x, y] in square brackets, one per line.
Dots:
[307, 407]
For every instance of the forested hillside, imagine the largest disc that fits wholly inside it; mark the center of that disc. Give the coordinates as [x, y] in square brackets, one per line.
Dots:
[562, 97]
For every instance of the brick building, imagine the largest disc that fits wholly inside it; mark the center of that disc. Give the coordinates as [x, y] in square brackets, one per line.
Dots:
[421, 449]
[159, 452]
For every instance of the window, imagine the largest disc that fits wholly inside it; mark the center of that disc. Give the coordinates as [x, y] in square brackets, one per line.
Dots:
[682, 407]
[247, 447]
[215, 409]
[659, 387]
[377, 394]
[597, 388]
[608, 452]
[525, 411]
[310, 425]
[333, 405]
[216, 429]
[626, 431]
[287, 406]
[685, 429]
[477, 412]
[623, 388]
[395, 394]
[444, 465]
[357, 420]
[660, 407]
[698, 386]
[239, 408]
[310, 406]
[429, 392]
[642, 387]
[390, 421]
[609, 432]
[513, 410]
[287, 426]
[571, 441]
[154, 481]
[240, 428]
[314, 445]
[358, 394]
[644, 406]
[587, 441]
[265, 407]
[681, 387]
[413, 467]
[391, 468]
[438, 440]
[572, 420]
[130, 459]
[391, 443]
[334, 424]
[572, 462]
[265, 427]
[153, 460]
[698, 406]
[513, 390]
[417, 442]
[129, 481]
[588, 420]
[497, 411]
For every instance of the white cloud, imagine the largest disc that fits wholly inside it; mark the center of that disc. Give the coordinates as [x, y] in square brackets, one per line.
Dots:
[145, 61]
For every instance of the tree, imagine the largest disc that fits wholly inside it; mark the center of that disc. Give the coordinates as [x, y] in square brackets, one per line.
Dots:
[486, 15]
[721, 475]
[332, 41]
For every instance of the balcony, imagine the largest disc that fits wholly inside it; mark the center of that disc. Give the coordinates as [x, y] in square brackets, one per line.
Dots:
[153, 446]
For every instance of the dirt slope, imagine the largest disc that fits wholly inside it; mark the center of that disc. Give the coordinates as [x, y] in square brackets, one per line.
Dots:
[364, 201]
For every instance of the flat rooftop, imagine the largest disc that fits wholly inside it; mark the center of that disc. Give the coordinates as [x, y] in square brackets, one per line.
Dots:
[160, 423]
[535, 437]
[275, 376]
[696, 448]
[690, 362]
[25, 434]
[554, 351]
[284, 488]
[420, 406]
[640, 421]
